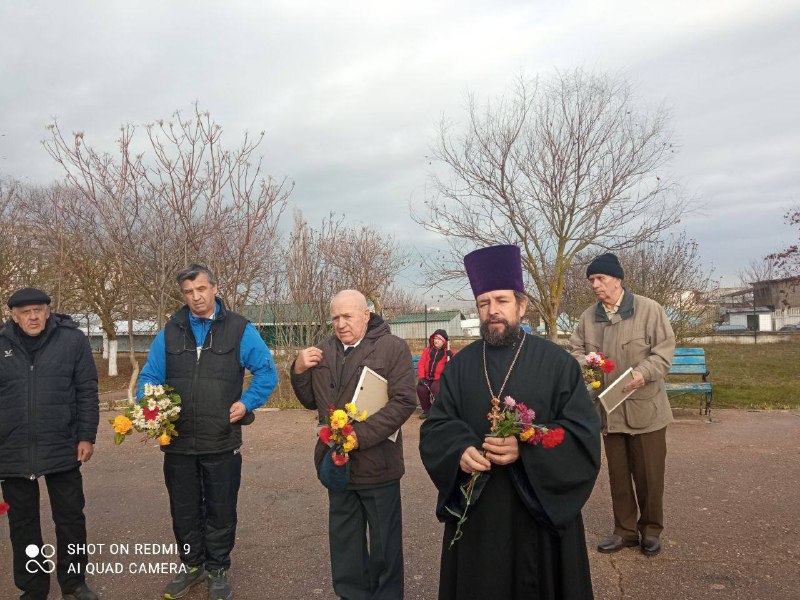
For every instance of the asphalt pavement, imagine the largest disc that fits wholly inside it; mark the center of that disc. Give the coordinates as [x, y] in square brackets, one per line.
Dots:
[732, 517]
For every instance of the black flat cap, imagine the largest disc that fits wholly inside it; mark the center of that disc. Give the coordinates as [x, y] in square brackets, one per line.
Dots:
[27, 296]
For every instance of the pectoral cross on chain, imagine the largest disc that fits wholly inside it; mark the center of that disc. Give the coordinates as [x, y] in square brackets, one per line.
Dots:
[494, 415]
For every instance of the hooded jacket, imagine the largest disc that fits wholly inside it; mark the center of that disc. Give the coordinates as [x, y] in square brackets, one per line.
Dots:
[433, 358]
[377, 459]
[49, 404]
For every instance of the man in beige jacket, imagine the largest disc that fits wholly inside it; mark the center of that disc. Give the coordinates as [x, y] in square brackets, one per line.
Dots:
[633, 331]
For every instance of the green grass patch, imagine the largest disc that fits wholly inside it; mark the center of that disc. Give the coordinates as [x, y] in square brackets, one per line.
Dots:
[749, 376]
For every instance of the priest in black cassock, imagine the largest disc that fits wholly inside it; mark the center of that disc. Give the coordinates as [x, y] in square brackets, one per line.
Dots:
[523, 536]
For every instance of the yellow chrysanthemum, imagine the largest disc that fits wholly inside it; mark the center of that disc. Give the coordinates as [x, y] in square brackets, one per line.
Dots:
[347, 446]
[164, 439]
[351, 409]
[362, 416]
[526, 435]
[596, 384]
[122, 424]
[338, 419]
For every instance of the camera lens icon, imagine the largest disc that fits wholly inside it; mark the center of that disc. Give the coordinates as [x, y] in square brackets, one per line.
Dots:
[46, 551]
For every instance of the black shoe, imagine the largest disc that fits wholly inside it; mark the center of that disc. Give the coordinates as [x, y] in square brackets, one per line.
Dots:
[651, 545]
[82, 592]
[218, 586]
[179, 587]
[615, 543]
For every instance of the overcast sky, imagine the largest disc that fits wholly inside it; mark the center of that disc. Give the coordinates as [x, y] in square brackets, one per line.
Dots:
[349, 93]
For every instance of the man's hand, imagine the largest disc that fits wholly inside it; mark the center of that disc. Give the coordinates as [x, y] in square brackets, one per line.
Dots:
[473, 460]
[502, 450]
[638, 381]
[85, 451]
[307, 359]
[355, 437]
[238, 410]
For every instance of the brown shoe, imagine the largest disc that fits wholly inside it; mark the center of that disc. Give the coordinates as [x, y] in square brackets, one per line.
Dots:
[615, 543]
[651, 545]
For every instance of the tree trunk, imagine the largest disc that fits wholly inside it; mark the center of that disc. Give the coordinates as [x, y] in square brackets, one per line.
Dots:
[105, 346]
[112, 358]
[132, 354]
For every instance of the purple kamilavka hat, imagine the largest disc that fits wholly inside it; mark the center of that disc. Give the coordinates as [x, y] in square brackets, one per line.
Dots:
[494, 268]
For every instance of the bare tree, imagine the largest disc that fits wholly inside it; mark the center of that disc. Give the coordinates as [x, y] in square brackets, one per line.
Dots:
[787, 261]
[758, 270]
[557, 168]
[219, 206]
[364, 259]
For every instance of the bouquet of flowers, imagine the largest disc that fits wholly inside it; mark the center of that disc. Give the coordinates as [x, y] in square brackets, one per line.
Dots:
[596, 365]
[513, 419]
[155, 415]
[338, 433]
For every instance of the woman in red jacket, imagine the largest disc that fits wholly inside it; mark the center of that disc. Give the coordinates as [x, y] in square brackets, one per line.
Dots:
[429, 369]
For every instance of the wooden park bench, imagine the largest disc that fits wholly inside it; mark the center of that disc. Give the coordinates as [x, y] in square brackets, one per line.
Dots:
[691, 361]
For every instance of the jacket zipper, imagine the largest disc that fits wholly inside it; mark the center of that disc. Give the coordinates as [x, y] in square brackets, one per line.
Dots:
[32, 422]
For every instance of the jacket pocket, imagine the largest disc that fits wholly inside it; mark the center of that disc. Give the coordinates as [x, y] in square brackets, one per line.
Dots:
[641, 412]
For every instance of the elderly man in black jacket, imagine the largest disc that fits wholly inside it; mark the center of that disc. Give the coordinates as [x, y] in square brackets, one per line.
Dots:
[48, 423]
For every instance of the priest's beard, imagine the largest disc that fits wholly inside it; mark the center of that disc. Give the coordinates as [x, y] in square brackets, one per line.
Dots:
[506, 337]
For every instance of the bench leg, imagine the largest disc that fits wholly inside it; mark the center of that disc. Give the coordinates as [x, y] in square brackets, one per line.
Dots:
[708, 405]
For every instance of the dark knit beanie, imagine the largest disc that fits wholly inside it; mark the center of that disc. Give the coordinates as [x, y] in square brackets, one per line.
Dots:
[605, 264]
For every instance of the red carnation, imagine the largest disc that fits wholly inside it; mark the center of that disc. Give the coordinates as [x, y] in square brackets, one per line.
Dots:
[150, 414]
[552, 438]
[347, 430]
[339, 459]
[608, 366]
[325, 435]
[4, 508]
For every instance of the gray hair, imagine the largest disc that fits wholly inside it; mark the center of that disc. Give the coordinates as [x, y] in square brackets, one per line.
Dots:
[192, 270]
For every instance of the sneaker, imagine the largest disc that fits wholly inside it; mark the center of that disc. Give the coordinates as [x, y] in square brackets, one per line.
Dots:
[179, 587]
[82, 592]
[218, 586]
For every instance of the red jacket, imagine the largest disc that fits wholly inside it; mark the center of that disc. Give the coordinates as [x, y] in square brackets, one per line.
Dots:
[425, 360]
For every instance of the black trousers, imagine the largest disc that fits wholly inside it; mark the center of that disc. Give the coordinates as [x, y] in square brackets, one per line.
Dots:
[66, 501]
[203, 490]
[361, 571]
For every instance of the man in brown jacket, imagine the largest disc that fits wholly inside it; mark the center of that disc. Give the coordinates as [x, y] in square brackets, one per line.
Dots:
[326, 376]
[633, 331]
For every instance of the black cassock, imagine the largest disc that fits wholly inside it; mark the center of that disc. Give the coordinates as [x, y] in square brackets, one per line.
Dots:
[524, 536]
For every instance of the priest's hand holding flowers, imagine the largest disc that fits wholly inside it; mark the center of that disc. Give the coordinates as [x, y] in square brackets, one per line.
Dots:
[511, 424]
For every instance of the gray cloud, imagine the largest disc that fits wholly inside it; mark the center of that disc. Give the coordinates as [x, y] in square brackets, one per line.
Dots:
[350, 93]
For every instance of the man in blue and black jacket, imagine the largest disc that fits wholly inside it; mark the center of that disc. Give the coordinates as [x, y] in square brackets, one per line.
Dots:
[202, 352]
[48, 424]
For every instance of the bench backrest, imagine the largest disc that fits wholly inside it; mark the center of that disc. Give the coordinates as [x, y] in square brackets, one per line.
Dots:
[689, 361]
[690, 352]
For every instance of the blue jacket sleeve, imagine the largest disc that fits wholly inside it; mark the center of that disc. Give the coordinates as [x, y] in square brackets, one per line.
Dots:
[256, 358]
[155, 370]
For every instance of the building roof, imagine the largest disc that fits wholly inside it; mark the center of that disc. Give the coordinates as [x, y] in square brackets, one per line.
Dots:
[432, 317]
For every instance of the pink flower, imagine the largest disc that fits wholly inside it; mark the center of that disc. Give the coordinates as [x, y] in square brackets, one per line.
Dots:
[510, 402]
